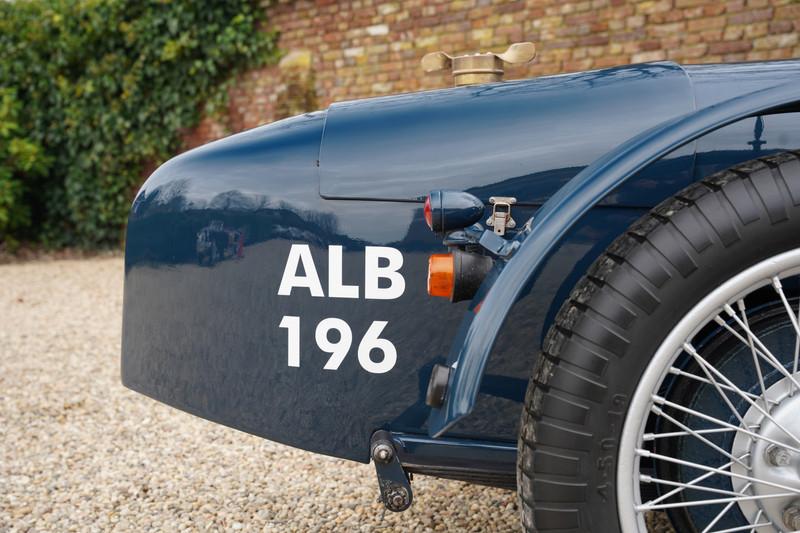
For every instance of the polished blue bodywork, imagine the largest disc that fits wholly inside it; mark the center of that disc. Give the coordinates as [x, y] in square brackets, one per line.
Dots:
[501, 139]
[561, 212]
[204, 337]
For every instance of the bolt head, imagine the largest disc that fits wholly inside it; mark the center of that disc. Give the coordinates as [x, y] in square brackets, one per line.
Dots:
[791, 516]
[778, 456]
[397, 499]
[382, 453]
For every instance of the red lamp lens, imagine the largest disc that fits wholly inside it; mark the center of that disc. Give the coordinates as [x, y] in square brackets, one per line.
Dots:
[427, 212]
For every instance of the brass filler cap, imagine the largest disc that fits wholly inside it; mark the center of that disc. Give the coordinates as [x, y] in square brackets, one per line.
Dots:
[471, 69]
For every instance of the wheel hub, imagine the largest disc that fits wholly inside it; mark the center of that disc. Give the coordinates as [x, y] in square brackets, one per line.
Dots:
[774, 458]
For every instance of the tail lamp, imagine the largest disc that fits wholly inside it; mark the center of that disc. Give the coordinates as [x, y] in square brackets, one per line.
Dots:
[449, 210]
[441, 269]
[457, 275]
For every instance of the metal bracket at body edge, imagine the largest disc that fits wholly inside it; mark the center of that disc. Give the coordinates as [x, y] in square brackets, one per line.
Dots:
[393, 482]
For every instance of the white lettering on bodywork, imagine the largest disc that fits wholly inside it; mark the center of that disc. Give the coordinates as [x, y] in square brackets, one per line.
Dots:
[300, 253]
[336, 287]
[373, 272]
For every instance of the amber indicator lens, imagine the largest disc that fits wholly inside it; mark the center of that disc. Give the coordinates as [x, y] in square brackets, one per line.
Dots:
[440, 275]
[427, 212]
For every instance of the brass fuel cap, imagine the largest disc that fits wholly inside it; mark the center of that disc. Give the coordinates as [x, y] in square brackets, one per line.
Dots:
[471, 69]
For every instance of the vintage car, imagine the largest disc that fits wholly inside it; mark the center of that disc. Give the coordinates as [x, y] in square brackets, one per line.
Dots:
[583, 287]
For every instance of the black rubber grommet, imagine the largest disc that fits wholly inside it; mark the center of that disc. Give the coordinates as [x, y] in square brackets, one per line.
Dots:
[437, 386]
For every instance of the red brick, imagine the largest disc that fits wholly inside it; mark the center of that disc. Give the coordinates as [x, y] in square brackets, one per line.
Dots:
[646, 46]
[781, 26]
[593, 40]
[706, 23]
[788, 12]
[784, 53]
[734, 6]
[666, 17]
[511, 7]
[713, 10]
[748, 17]
[674, 28]
[571, 35]
[610, 61]
[729, 47]
[731, 58]
[688, 52]
[576, 66]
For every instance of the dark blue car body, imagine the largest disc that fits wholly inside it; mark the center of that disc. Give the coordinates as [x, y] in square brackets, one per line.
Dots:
[206, 337]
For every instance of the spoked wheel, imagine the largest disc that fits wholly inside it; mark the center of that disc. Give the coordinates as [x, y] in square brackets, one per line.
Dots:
[667, 394]
[712, 435]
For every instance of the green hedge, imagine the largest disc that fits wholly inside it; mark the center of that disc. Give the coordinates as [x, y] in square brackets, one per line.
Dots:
[93, 92]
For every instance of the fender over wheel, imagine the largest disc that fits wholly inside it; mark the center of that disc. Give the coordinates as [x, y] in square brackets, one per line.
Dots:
[668, 388]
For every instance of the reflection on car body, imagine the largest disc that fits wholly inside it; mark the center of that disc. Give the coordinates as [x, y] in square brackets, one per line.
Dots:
[215, 243]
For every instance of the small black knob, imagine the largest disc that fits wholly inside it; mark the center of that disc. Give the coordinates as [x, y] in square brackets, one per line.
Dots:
[437, 386]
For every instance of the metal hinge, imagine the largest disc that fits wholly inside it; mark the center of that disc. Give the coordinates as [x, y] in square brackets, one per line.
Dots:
[501, 214]
[393, 481]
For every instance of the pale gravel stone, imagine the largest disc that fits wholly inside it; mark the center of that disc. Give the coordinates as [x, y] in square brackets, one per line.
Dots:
[79, 452]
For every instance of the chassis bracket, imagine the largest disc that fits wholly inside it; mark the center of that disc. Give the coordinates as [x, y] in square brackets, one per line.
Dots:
[393, 481]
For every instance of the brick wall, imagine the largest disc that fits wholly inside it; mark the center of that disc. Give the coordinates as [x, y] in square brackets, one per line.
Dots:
[360, 48]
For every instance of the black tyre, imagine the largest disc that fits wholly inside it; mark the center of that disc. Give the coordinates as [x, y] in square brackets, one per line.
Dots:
[670, 373]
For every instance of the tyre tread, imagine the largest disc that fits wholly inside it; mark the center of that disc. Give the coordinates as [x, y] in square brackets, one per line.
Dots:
[570, 373]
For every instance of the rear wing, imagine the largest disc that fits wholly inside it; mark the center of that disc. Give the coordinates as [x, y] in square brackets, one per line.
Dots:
[471, 349]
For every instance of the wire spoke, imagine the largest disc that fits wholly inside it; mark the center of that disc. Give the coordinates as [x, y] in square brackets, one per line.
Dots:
[654, 436]
[719, 517]
[704, 367]
[776, 283]
[698, 466]
[724, 510]
[708, 366]
[768, 357]
[693, 482]
[763, 351]
[742, 310]
[796, 350]
[758, 517]
[796, 345]
[661, 413]
[659, 481]
[662, 401]
[698, 503]
[752, 527]
[678, 372]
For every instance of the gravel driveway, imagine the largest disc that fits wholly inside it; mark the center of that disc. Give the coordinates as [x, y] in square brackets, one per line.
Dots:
[78, 452]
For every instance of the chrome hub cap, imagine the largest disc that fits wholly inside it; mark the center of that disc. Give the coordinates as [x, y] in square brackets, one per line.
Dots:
[712, 432]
